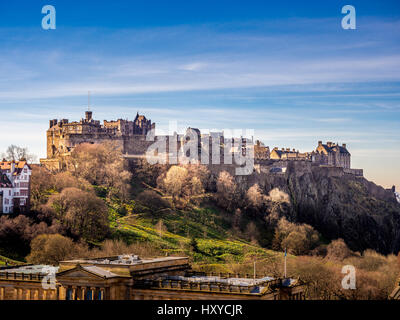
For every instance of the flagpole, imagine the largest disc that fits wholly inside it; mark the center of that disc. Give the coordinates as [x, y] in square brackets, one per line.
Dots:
[285, 265]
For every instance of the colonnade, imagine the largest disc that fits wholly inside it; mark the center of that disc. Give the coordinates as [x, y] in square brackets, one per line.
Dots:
[24, 293]
[85, 293]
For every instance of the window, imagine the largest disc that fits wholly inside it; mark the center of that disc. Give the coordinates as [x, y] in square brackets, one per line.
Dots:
[89, 295]
[69, 294]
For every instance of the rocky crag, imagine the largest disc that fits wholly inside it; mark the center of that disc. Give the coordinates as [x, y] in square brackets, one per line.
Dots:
[337, 204]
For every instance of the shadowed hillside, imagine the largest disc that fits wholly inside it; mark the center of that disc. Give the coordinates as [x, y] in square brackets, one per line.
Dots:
[338, 205]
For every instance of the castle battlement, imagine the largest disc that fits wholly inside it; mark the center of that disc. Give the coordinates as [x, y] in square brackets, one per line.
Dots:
[63, 136]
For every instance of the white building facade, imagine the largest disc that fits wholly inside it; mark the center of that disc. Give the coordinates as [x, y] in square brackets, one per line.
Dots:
[15, 181]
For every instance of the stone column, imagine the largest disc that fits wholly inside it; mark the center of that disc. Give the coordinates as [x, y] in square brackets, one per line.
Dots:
[35, 294]
[93, 290]
[83, 293]
[73, 293]
[102, 292]
[27, 294]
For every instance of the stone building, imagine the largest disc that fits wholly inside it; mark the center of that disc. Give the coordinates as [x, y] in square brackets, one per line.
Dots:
[332, 154]
[287, 154]
[63, 136]
[15, 181]
[261, 151]
[129, 277]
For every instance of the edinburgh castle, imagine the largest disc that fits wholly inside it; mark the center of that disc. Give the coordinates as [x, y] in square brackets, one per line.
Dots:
[63, 136]
[130, 136]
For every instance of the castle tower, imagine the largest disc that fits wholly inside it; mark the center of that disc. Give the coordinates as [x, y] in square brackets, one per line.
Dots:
[88, 116]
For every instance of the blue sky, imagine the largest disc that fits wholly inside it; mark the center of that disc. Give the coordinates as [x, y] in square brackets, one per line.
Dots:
[285, 69]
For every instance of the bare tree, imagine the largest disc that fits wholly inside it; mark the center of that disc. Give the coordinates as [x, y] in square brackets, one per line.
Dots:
[226, 191]
[255, 198]
[102, 165]
[16, 153]
[175, 181]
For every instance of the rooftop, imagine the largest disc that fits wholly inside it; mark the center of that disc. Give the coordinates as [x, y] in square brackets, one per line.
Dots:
[125, 260]
[33, 269]
[238, 285]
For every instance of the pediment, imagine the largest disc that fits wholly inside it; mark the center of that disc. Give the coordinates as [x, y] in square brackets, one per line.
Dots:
[79, 274]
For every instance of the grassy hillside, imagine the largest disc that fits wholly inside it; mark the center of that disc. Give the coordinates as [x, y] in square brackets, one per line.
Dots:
[215, 247]
[10, 262]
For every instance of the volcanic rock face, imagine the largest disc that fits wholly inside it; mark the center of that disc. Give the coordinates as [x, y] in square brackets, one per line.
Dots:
[338, 205]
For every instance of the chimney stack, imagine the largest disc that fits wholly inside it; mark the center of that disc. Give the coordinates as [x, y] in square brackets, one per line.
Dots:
[344, 145]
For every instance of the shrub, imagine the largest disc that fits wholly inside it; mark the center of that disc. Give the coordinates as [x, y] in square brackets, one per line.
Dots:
[299, 239]
[50, 249]
[338, 250]
[153, 201]
[81, 213]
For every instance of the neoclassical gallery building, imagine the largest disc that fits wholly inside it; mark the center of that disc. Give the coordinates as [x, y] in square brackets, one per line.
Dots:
[128, 277]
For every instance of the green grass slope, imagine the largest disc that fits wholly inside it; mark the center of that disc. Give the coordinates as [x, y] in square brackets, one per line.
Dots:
[217, 247]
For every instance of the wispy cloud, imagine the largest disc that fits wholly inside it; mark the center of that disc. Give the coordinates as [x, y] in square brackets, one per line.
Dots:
[294, 81]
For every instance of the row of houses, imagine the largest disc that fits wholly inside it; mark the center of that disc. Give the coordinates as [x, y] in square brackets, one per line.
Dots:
[330, 154]
[15, 177]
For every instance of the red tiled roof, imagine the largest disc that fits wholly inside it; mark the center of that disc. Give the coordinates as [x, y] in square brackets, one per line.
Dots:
[6, 165]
